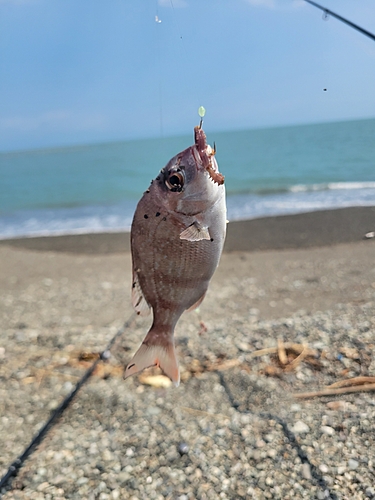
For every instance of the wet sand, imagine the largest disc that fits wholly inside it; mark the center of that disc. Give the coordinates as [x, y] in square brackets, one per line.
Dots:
[321, 228]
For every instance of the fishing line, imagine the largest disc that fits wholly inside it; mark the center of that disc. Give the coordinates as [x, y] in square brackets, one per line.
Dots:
[175, 20]
[158, 21]
[158, 45]
[328, 12]
[38, 438]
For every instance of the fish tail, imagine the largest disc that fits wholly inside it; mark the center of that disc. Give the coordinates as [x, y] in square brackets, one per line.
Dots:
[156, 350]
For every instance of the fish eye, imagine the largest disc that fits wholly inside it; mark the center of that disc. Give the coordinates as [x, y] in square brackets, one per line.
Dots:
[175, 181]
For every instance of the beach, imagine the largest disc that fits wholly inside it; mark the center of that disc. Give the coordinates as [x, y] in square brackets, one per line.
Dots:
[235, 427]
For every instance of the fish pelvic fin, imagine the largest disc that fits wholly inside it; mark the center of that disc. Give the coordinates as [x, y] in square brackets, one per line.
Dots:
[156, 350]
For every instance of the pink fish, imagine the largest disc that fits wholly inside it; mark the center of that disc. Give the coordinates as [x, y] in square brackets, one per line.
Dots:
[177, 237]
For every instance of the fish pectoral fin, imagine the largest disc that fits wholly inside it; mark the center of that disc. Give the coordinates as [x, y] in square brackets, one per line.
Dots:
[195, 232]
[196, 304]
[155, 355]
[139, 302]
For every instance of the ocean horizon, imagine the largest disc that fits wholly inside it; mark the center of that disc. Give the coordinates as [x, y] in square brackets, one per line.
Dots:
[268, 172]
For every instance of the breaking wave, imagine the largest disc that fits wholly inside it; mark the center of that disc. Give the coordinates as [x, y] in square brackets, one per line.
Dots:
[303, 188]
[118, 217]
[302, 198]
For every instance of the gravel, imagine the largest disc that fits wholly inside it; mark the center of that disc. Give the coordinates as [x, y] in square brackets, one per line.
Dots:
[234, 433]
[233, 429]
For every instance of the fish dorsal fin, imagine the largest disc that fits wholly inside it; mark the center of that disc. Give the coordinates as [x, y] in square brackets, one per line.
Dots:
[195, 232]
[138, 299]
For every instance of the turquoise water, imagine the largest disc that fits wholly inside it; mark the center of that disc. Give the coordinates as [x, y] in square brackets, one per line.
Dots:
[267, 172]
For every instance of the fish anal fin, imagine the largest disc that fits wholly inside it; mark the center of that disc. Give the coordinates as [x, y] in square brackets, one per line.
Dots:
[163, 356]
[196, 304]
[195, 232]
[138, 299]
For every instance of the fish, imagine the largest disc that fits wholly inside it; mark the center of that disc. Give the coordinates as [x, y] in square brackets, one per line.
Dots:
[177, 237]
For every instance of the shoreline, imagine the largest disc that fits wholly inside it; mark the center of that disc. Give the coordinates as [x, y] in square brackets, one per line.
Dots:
[302, 230]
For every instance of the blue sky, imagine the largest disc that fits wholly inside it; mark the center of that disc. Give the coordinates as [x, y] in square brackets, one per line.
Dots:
[85, 71]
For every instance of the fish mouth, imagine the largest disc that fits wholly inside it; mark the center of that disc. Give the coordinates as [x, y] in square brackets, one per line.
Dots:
[207, 155]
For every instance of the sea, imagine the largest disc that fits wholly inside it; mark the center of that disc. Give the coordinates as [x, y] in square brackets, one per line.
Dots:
[94, 188]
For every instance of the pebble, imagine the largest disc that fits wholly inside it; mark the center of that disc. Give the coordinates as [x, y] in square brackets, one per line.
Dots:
[183, 449]
[326, 429]
[306, 471]
[353, 464]
[321, 495]
[337, 405]
[153, 410]
[300, 427]
[295, 407]
[82, 480]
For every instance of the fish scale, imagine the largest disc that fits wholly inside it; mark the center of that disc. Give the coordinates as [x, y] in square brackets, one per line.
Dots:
[165, 279]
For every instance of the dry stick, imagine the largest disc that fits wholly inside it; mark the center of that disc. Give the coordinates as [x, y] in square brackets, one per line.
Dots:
[38, 438]
[298, 348]
[281, 352]
[335, 391]
[353, 381]
[224, 365]
[293, 364]
[264, 352]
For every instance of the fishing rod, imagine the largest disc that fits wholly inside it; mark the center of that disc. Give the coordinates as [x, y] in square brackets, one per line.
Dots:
[340, 18]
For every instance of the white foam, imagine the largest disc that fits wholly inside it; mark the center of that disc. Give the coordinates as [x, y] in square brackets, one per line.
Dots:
[351, 185]
[254, 206]
[303, 188]
[116, 218]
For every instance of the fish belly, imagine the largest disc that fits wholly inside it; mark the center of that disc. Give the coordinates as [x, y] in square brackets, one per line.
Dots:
[173, 273]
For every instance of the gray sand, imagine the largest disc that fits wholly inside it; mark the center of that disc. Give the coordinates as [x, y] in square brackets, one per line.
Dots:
[233, 429]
